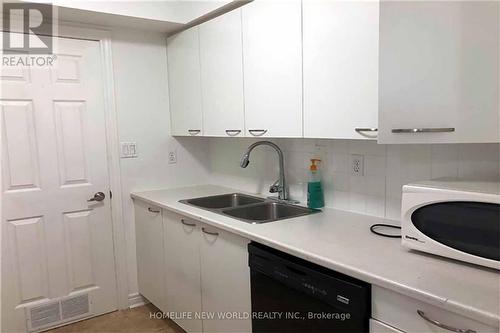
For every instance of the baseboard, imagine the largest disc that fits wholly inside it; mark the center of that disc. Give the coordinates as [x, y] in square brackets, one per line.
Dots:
[135, 300]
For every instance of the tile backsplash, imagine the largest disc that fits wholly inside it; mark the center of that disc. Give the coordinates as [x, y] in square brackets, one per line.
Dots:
[377, 192]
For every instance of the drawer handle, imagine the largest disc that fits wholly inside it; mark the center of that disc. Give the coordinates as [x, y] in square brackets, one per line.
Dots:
[188, 224]
[424, 130]
[153, 210]
[209, 232]
[194, 131]
[443, 326]
[258, 132]
[233, 132]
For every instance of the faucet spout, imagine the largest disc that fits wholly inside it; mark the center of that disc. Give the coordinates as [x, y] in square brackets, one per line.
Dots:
[280, 185]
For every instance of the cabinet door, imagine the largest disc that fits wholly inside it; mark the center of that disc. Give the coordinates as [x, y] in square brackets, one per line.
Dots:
[183, 288]
[185, 83]
[225, 277]
[149, 250]
[272, 67]
[439, 65]
[411, 315]
[222, 75]
[340, 69]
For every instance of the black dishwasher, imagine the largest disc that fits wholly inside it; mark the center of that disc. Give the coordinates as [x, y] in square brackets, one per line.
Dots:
[293, 295]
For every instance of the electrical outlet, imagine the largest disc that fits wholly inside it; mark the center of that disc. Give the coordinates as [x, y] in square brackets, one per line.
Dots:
[172, 157]
[357, 165]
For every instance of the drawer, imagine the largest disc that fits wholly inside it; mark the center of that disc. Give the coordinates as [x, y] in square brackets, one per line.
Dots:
[379, 327]
[402, 312]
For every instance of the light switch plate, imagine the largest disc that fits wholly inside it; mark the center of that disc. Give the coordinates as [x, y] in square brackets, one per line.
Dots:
[128, 149]
[357, 165]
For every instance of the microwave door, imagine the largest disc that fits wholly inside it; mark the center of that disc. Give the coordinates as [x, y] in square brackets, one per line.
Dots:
[469, 227]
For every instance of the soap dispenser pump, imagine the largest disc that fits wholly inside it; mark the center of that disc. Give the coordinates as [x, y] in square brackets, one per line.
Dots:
[315, 198]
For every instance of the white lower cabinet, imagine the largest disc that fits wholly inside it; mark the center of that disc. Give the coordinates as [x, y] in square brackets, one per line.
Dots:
[149, 250]
[206, 276]
[411, 315]
[182, 270]
[225, 281]
[199, 275]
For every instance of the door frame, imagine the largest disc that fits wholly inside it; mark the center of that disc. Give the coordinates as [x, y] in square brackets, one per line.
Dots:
[103, 37]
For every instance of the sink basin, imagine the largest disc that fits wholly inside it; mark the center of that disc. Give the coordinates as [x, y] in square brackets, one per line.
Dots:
[223, 201]
[247, 208]
[267, 212]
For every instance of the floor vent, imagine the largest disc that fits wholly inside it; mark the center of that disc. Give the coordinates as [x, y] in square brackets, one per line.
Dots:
[44, 315]
[75, 306]
[57, 312]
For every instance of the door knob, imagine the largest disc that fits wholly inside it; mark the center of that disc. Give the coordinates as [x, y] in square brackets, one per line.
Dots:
[99, 196]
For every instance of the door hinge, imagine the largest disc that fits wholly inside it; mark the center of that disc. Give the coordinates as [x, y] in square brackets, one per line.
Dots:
[110, 194]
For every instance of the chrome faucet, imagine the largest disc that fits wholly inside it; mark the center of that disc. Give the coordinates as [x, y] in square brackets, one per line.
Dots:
[279, 185]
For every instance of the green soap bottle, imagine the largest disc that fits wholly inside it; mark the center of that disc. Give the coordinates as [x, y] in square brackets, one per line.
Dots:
[315, 198]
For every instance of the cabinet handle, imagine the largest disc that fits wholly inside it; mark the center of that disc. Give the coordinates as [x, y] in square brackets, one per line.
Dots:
[153, 210]
[233, 132]
[188, 224]
[258, 132]
[367, 131]
[443, 326]
[194, 131]
[209, 232]
[424, 130]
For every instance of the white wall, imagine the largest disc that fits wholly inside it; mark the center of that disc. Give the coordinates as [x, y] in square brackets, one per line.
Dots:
[140, 74]
[378, 192]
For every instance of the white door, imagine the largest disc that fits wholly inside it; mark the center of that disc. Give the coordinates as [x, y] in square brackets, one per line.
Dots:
[55, 243]
[272, 67]
[340, 69]
[182, 270]
[184, 83]
[222, 75]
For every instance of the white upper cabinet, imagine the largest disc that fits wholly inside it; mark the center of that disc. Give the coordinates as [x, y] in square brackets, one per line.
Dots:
[272, 63]
[340, 68]
[439, 71]
[185, 83]
[222, 75]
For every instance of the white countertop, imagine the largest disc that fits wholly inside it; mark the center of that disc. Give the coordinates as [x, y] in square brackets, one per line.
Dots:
[342, 241]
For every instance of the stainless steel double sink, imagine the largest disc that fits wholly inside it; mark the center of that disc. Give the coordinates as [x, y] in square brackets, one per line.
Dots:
[247, 208]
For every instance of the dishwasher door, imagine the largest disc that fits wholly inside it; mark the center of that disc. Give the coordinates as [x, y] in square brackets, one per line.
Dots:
[292, 295]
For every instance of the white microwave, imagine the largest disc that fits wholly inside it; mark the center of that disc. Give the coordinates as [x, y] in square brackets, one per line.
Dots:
[452, 218]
